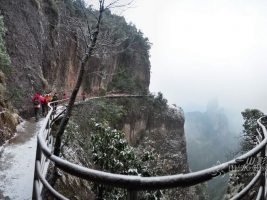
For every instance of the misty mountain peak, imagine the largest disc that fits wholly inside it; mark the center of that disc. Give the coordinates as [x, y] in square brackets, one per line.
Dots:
[217, 116]
[213, 106]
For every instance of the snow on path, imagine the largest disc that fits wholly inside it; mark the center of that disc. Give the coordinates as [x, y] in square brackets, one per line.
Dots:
[17, 162]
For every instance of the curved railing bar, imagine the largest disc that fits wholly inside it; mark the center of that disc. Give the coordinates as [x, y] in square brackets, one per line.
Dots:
[45, 149]
[151, 183]
[141, 183]
[36, 191]
[47, 185]
[260, 193]
[43, 153]
[148, 183]
[246, 189]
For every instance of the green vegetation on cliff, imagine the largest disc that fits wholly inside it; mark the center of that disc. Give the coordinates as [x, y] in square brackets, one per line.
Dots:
[123, 82]
[239, 179]
[105, 148]
[250, 125]
[120, 61]
[112, 153]
[4, 57]
[146, 123]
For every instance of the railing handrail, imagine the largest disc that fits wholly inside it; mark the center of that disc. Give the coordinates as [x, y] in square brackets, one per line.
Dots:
[149, 183]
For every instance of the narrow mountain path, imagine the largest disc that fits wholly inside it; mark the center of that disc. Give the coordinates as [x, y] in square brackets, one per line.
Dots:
[17, 159]
[17, 162]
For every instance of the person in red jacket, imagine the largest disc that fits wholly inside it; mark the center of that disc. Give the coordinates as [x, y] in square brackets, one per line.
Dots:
[36, 105]
[64, 96]
[47, 100]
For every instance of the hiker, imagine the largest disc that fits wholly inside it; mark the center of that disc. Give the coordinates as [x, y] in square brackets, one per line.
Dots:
[64, 96]
[36, 104]
[84, 95]
[55, 98]
[47, 98]
[51, 97]
[46, 101]
[42, 99]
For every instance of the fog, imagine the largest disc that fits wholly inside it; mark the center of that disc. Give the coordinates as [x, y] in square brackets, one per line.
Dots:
[206, 49]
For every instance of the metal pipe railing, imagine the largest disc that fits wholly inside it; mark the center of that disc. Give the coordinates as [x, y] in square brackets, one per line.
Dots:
[46, 184]
[136, 183]
[44, 151]
[243, 192]
[259, 196]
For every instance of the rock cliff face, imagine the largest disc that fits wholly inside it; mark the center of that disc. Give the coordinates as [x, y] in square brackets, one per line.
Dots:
[147, 125]
[43, 45]
[164, 132]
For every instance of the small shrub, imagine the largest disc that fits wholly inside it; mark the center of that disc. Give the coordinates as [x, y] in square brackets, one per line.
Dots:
[9, 118]
[10, 107]
[112, 153]
[15, 93]
[160, 103]
[2, 91]
[141, 135]
[6, 134]
[102, 92]
[2, 78]
[124, 82]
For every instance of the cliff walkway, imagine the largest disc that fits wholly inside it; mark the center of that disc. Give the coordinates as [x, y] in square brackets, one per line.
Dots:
[17, 162]
[37, 169]
[17, 159]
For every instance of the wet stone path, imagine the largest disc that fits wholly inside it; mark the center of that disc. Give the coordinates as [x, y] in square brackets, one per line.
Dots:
[17, 162]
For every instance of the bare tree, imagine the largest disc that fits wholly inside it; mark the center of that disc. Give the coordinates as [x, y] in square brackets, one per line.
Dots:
[90, 38]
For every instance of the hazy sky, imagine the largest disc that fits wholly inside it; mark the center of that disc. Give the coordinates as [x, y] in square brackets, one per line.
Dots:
[206, 49]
